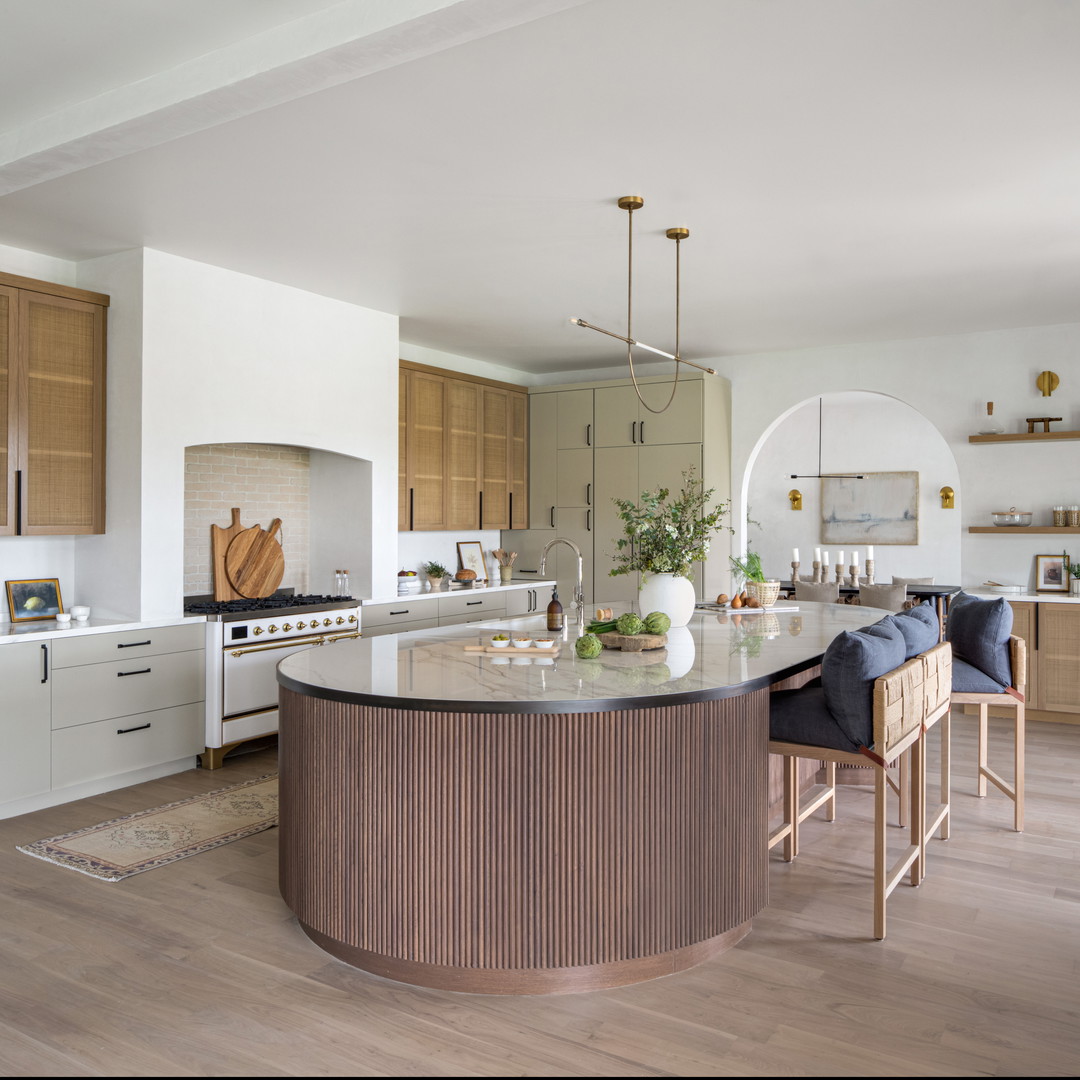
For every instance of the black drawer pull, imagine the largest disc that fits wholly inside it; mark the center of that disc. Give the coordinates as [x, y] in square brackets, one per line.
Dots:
[127, 730]
[143, 671]
[404, 611]
[135, 644]
[473, 603]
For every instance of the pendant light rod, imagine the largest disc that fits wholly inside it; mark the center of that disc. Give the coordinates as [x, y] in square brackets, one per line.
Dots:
[819, 475]
[641, 345]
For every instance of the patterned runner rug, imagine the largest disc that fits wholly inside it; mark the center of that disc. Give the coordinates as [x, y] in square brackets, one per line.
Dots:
[117, 849]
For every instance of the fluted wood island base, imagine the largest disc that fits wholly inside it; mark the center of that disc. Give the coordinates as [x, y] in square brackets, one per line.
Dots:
[476, 823]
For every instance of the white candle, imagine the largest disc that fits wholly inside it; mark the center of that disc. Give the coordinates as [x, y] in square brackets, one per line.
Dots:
[870, 552]
[825, 557]
[794, 554]
[840, 557]
[817, 554]
[854, 558]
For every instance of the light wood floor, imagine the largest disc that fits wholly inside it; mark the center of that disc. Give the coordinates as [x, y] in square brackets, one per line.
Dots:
[198, 969]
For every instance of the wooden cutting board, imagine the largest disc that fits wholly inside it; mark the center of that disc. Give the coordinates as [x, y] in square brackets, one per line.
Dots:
[632, 642]
[220, 539]
[255, 562]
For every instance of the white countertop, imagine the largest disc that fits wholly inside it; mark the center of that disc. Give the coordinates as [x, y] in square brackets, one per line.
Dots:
[49, 629]
[426, 593]
[1031, 598]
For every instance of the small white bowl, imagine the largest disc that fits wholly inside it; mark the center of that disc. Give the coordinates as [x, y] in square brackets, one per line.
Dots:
[523, 642]
[496, 644]
[63, 618]
[80, 611]
[544, 643]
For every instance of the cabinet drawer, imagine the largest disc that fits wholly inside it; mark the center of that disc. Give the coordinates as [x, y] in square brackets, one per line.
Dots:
[82, 695]
[425, 613]
[111, 747]
[100, 648]
[396, 628]
[471, 604]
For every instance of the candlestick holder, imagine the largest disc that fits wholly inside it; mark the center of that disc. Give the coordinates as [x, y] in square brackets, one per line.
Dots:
[816, 579]
[853, 575]
[839, 574]
[869, 571]
[794, 572]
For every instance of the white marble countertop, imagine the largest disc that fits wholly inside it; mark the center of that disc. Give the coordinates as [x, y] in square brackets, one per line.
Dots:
[48, 629]
[716, 655]
[1031, 598]
[426, 593]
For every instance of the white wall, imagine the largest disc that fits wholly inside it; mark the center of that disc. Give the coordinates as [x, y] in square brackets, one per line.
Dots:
[948, 380]
[860, 432]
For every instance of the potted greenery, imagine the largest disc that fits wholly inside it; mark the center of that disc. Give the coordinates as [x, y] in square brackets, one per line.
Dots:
[662, 539]
[436, 573]
[748, 570]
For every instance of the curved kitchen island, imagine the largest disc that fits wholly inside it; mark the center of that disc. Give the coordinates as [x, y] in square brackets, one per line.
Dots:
[522, 824]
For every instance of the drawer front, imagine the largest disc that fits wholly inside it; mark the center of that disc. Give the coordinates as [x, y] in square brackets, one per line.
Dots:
[396, 628]
[424, 613]
[101, 648]
[83, 695]
[109, 747]
[471, 604]
[456, 620]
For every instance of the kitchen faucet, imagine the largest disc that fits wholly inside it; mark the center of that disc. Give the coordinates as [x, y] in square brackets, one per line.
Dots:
[579, 589]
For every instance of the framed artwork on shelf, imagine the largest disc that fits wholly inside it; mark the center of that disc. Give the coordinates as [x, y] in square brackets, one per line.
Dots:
[34, 598]
[471, 556]
[878, 508]
[1051, 574]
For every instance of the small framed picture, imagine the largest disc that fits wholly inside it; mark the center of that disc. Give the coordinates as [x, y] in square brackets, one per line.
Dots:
[1051, 574]
[34, 598]
[471, 556]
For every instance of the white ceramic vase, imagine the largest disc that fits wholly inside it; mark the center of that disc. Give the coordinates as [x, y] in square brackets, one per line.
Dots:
[1074, 586]
[669, 593]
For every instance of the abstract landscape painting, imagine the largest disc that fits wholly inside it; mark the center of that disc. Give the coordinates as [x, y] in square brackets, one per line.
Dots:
[881, 508]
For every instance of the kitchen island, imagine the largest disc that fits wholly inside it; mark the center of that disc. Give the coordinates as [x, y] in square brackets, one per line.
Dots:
[520, 824]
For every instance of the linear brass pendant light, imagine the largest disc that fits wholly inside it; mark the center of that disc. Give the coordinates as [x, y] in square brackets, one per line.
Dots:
[630, 203]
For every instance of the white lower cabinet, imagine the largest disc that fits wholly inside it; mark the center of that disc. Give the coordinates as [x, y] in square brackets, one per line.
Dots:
[24, 720]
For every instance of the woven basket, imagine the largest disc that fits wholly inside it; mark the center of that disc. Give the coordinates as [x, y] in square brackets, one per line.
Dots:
[765, 592]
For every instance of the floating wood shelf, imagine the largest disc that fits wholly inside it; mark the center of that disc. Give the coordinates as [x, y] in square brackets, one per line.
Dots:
[1020, 530]
[1032, 436]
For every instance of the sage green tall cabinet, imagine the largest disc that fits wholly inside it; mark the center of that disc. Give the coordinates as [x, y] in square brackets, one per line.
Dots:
[593, 442]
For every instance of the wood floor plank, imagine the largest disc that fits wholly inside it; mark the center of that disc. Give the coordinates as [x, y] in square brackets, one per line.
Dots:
[199, 969]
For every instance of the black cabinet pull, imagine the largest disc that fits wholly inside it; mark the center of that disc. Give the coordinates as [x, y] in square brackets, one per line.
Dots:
[633, 431]
[510, 520]
[19, 501]
[134, 644]
[528, 571]
[128, 730]
[404, 611]
[44, 663]
[411, 491]
[588, 494]
[641, 431]
[142, 671]
[588, 434]
[473, 603]
[553, 517]
[588, 521]
[481, 509]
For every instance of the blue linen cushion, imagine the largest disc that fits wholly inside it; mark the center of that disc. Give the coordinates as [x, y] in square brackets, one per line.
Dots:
[801, 716]
[853, 660]
[967, 679]
[978, 631]
[919, 627]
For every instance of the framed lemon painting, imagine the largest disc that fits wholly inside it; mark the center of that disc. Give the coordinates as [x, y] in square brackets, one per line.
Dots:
[34, 598]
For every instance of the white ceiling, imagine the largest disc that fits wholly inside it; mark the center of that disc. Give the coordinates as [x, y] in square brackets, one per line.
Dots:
[849, 170]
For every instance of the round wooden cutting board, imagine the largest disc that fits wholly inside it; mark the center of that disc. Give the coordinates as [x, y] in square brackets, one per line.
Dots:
[255, 563]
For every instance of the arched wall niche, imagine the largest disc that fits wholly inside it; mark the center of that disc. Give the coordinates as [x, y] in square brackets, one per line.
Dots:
[860, 432]
[323, 499]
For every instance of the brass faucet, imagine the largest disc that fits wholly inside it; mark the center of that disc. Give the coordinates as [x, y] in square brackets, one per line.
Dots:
[579, 589]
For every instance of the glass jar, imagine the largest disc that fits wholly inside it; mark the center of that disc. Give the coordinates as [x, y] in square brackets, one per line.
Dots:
[1060, 516]
[1072, 515]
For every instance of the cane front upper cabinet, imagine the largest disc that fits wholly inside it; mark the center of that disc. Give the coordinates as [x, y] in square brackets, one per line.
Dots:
[52, 408]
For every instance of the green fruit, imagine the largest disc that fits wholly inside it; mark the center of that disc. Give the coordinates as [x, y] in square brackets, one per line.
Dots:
[629, 624]
[34, 603]
[589, 646]
[656, 622]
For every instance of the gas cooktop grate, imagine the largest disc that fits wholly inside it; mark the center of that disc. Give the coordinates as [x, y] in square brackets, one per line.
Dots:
[262, 603]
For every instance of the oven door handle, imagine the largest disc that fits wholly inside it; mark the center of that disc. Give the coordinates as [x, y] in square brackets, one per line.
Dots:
[288, 644]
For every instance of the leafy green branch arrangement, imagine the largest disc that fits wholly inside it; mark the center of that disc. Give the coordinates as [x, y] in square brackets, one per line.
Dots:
[663, 535]
[747, 568]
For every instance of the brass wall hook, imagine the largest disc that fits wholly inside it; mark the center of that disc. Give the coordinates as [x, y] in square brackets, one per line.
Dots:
[796, 499]
[948, 498]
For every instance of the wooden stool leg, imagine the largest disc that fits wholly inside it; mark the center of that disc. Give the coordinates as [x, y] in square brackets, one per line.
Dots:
[881, 805]
[983, 751]
[904, 790]
[830, 782]
[1018, 767]
[791, 808]
[945, 723]
[917, 788]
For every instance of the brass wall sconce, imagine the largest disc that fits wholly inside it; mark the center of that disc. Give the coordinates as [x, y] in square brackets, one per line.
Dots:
[796, 499]
[1047, 382]
[948, 498]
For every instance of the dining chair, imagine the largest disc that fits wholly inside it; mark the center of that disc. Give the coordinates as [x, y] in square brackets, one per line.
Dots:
[827, 592]
[912, 580]
[888, 597]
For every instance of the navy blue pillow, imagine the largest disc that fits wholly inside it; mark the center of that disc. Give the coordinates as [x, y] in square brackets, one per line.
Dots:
[978, 631]
[919, 626]
[801, 716]
[853, 660]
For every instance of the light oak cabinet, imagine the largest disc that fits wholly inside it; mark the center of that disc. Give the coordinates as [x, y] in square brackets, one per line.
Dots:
[1052, 633]
[52, 368]
[462, 452]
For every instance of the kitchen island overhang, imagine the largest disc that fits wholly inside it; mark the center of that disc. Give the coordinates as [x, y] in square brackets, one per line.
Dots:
[521, 846]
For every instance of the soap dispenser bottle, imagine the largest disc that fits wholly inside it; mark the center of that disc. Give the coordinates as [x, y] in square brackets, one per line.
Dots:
[555, 612]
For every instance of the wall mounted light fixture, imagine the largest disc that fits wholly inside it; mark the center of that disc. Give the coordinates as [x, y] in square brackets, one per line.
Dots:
[1047, 382]
[796, 499]
[948, 498]
[630, 203]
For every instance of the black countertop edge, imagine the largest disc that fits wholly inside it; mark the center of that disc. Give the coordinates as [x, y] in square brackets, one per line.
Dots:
[620, 704]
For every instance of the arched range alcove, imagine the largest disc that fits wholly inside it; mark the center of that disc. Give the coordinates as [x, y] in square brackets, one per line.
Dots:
[851, 431]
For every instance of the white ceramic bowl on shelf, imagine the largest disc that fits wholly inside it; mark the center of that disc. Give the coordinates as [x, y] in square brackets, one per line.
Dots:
[544, 642]
[498, 643]
[522, 642]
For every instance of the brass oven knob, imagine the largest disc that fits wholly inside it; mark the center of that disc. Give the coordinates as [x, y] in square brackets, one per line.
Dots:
[352, 618]
[340, 620]
[257, 631]
[326, 622]
[271, 629]
[301, 625]
[286, 627]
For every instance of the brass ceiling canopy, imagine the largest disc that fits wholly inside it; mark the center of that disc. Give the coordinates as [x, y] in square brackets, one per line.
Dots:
[630, 203]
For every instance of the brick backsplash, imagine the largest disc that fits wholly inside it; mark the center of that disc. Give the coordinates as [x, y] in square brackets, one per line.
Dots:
[265, 481]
